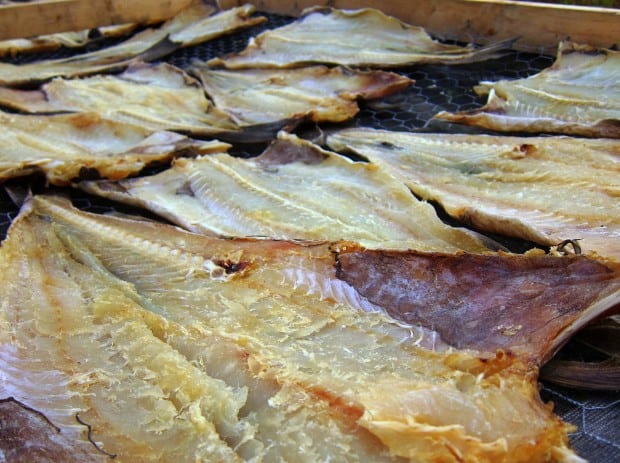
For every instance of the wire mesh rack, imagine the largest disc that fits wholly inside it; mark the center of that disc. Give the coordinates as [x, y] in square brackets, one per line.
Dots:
[596, 415]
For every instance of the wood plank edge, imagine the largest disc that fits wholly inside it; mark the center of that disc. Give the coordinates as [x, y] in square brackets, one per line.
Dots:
[539, 26]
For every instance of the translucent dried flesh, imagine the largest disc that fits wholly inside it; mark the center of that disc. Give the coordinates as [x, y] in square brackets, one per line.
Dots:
[294, 190]
[155, 97]
[164, 97]
[364, 37]
[545, 190]
[50, 42]
[439, 88]
[178, 346]
[196, 23]
[67, 147]
[318, 93]
[565, 98]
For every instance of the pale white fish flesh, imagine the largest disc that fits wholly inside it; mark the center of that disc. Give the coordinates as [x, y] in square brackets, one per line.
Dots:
[157, 97]
[578, 95]
[71, 146]
[543, 189]
[317, 93]
[175, 346]
[192, 25]
[294, 190]
[365, 37]
[50, 42]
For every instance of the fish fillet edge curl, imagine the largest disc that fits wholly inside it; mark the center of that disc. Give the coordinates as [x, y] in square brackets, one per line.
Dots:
[165, 97]
[578, 95]
[66, 147]
[50, 42]
[359, 38]
[199, 22]
[156, 344]
[293, 190]
[316, 93]
[548, 190]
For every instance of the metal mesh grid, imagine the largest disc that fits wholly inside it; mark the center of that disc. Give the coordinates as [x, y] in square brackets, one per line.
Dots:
[437, 88]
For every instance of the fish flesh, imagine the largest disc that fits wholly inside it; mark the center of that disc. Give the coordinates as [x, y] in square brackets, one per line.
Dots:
[156, 344]
[71, 146]
[362, 38]
[51, 42]
[542, 189]
[294, 190]
[197, 23]
[317, 93]
[155, 97]
[578, 95]
[164, 97]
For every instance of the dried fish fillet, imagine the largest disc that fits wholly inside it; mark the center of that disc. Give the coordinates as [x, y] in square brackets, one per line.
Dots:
[579, 94]
[364, 37]
[156, 97]
[545, 190]
[172, 345]
[67, 147]
[164, 97]
[318, 93]
[52, 42]
[294, 190]
[192, 25]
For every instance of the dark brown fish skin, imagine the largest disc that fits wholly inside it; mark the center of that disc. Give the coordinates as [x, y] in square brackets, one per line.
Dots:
[26, 435]
[282, 152]
[521, 304]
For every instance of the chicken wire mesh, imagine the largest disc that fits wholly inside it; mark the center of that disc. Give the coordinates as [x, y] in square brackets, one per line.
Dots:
[596, 415]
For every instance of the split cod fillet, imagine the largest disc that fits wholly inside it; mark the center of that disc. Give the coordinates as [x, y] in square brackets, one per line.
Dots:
[136, 340]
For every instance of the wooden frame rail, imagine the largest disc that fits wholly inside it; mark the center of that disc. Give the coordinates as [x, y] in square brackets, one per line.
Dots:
[50, 16]
[539, 26]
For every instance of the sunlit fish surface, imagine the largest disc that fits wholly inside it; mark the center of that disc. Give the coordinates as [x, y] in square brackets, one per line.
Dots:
[365, 37]
[142, 342]
[318, 93]
[197, 23]
[68, 147]
[294, 190]
[157, 97]
[543, 189]
[49, 42]
[578, 95]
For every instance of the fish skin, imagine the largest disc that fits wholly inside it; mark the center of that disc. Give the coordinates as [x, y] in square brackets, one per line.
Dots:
[19, 424]
[191, 25]
[293, 190]
[522, 304]
[316, 93]
[139, 324]
[359, 38]
[578, 95]
[66, 147]
[541, 189]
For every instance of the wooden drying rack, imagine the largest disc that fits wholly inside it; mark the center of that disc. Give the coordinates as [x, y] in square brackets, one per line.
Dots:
[49, 16]
[538, 25]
